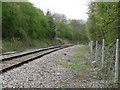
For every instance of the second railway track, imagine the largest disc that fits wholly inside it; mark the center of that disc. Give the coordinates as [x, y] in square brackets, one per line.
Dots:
[15, 61]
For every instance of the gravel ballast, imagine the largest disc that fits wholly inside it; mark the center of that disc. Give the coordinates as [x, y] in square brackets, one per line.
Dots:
[48, 72]
[42, 72]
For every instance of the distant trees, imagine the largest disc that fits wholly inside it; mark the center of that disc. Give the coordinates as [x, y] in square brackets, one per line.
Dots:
[63, 29]
[23, 21]
[79, 30]
[70, 29]
[51, 25]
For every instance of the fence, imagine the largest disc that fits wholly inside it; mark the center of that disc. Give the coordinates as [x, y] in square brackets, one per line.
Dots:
[107, 59]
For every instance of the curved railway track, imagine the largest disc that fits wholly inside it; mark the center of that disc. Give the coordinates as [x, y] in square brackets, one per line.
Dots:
[9, 63]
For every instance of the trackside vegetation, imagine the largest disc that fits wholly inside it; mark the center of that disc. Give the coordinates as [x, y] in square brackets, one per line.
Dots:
[25, 26]
[103, 21]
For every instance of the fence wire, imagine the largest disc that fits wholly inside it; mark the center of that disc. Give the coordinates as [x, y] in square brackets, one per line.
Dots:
[107, 72]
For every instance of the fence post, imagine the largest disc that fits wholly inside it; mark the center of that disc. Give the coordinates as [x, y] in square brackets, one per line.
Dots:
[103, 46]
[91, 49]
[117, 61]
[89, 44]
[96, 54]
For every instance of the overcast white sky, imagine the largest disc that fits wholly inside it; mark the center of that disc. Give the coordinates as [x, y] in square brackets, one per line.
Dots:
[73, 9]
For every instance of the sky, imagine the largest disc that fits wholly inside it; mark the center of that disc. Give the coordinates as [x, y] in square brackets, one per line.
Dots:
[73, 9]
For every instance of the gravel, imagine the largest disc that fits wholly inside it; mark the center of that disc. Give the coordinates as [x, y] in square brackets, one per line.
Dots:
[42, 72]
[45, 72]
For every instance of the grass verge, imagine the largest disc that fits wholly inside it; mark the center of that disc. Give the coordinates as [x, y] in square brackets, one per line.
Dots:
[18, 45]
[80, 62]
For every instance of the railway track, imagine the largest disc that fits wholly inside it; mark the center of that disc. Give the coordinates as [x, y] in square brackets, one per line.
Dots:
[9, 63]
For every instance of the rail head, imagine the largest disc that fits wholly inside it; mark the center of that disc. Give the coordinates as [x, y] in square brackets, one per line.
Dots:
[32, 52]
[14, 65]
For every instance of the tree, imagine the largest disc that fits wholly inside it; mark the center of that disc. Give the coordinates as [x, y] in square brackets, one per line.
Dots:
[22, 20]
[102, 21]
[51, 25]
[79, 29]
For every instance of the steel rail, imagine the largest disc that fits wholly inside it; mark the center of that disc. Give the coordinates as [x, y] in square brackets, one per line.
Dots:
[18, 60]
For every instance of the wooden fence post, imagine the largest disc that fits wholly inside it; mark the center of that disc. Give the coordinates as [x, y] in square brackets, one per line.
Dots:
[103, 46]
[96, 54]
[117, 61]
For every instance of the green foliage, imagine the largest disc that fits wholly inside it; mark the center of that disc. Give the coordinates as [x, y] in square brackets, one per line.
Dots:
[0, 12]
[0, 21]
[79, 30]
[73, 30]
[22, 22]
[51, 25]
[103, 21]
[65, 31]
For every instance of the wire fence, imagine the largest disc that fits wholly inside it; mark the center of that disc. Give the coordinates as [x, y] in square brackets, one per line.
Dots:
[106, 59]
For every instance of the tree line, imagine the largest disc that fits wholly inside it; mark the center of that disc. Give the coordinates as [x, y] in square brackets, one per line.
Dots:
[23, 21]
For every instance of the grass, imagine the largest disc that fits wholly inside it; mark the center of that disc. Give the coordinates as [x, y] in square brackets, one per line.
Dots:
[107, 71]
[18, 45]
[79, 61]
[80, 65]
